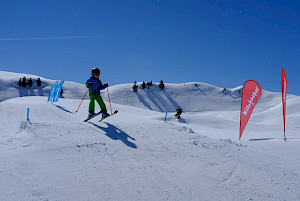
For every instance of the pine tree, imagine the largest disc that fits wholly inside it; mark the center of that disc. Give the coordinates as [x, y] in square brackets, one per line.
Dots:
[161, 85]
[38, 82]
[135, 87]
[20, 82]
[24, 82]
[30, 83]
[143, 85]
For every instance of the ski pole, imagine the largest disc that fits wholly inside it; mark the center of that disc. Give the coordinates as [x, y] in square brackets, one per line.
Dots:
[83, 99]
[109, 101]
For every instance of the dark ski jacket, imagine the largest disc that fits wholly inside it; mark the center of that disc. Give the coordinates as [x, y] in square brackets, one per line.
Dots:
[96, 87]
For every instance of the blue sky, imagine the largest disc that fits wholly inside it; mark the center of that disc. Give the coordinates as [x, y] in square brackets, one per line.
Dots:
[223, 43]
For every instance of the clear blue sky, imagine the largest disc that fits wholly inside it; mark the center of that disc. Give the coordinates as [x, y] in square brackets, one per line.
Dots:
[223, 43]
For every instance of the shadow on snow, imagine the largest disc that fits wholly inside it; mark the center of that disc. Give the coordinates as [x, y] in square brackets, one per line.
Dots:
[267, 139]
[116, 134]
[64, 109]
[161, 101]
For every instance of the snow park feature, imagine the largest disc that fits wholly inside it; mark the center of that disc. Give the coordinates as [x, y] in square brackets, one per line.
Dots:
[135, 155]
[284, 91]
[251, 94]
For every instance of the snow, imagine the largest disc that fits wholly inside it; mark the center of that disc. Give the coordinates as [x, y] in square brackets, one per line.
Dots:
[135, 155]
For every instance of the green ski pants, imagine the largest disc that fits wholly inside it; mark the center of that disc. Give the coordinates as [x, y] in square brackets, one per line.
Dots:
[99, 100]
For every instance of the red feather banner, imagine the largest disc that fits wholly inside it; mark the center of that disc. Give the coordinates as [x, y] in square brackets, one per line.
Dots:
[251, 94]
[284, 91]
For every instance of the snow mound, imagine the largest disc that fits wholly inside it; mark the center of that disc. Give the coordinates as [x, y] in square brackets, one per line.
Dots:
[9, 87]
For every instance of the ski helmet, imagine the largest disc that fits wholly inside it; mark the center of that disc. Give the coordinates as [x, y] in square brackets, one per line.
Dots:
[95, 71]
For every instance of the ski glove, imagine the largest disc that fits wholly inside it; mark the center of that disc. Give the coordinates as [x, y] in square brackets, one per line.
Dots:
[90, 84]
[105, 85]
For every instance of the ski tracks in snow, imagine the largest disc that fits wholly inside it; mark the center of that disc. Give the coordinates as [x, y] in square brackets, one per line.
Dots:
[65, 159]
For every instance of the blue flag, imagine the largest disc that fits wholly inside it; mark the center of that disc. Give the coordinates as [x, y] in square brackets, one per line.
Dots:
[51, 94]
[57, 91]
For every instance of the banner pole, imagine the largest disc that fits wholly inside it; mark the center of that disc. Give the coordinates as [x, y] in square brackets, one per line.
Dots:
[27, 114]
[109, 101]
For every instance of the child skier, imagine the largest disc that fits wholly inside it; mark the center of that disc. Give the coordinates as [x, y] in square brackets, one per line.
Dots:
[95, 86]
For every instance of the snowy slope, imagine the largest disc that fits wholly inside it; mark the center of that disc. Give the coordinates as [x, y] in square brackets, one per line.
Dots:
[191, 97]
[135, 155]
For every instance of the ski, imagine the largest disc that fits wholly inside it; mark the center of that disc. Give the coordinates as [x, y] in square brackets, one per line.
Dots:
[115, 112]
[94, 115]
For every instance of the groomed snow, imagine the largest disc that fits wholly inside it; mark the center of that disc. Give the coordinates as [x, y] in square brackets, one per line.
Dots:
[135, 155]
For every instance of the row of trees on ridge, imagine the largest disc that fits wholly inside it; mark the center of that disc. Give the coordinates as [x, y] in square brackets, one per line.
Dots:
[24, 83]
[148, 85]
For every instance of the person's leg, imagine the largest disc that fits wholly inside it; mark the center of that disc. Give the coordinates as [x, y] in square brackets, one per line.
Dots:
[101, 103]
[92, 104]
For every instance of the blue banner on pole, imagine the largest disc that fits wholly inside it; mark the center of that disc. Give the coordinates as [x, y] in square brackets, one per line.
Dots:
[50, 98]
[55, 91]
